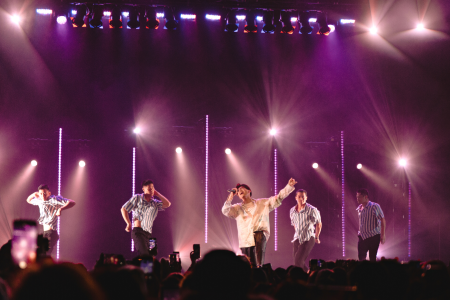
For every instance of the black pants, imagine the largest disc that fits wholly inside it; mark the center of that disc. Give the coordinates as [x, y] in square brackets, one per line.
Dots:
[53, 237]
[370, 244]
[257, 252]
[141, 240]
[301, 252]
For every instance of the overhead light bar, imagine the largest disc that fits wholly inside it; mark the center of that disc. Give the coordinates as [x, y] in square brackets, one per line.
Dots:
[212, 17]
[188, 16]
[44, 11]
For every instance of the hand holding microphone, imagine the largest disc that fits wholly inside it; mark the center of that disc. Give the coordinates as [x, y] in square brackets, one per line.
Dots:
[234, 191]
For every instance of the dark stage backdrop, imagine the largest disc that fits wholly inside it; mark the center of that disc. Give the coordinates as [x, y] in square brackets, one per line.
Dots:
[388, 93]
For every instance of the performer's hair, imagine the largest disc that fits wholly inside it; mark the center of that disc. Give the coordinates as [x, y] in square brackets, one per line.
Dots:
[245, 186]
[146, 182]
[363, 192]
[302, 191]
[43, 187]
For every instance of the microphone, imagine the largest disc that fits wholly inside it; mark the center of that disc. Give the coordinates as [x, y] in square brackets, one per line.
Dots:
[231, 191]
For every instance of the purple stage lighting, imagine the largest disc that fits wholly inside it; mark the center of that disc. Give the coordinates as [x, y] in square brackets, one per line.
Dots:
[420, 26]
[315, 165]
[82, 163]
[137, 130]
[107, 13]
[179, 150]
[240, 17]
[160, 15]
[409, 219]
[206, 176]
[275, 171]
[133, 185]
[34, 163]
[59, 187]
[359, 166]
[347, 21]
[343, 194]
[61, 20]
[212, 17]
[373, 30]
[259, 18]
[402, 162]
[125, 14]
[228, 151]
[273, 131]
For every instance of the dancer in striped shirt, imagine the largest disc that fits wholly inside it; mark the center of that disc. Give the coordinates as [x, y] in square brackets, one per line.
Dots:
[145, 209]
[372, 226]
[50, 207]
[305, 218]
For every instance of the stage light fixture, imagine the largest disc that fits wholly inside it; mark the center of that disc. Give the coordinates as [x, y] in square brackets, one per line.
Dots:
[151, 20]
[115, 21]
[82, 163]
[347, 22]
[212, 17]
[273, 131]
[324, 29]
[231, 25]
[107, 13]
[420, 26]
[179, 150]
[402, 162]
[228, 151]
[315, 165]
[286, 22]
[97, 15]
[188, 16]
[34, 163]
[250, 21]
[44, 11]
[15, 19]
[137, 130]
[78, 20]
[61, 20]
[359, 166]
[268, 22]
[240, 17]
[133, 19]
[304, 23]
[125, 14]
[171, 22]
[373, 30]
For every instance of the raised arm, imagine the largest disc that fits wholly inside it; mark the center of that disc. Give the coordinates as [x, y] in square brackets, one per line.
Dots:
[227, 209]
[275, 201]
[164, 200]
[32, 196]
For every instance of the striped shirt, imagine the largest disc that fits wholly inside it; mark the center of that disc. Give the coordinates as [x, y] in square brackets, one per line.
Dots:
[144, 211]
[369, 220]
[304, 221]
[48, 209]
[255, 217]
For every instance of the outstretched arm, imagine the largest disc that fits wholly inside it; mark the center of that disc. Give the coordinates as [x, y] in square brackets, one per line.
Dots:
[164, 200]
[227, 209]
[32, 196]
[69, 204]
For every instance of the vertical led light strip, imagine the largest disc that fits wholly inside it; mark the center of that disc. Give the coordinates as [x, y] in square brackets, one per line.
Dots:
[409, 219]
[59, 187]
[206, 179]
[275, 172]
[133, 185]
[343, 194]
